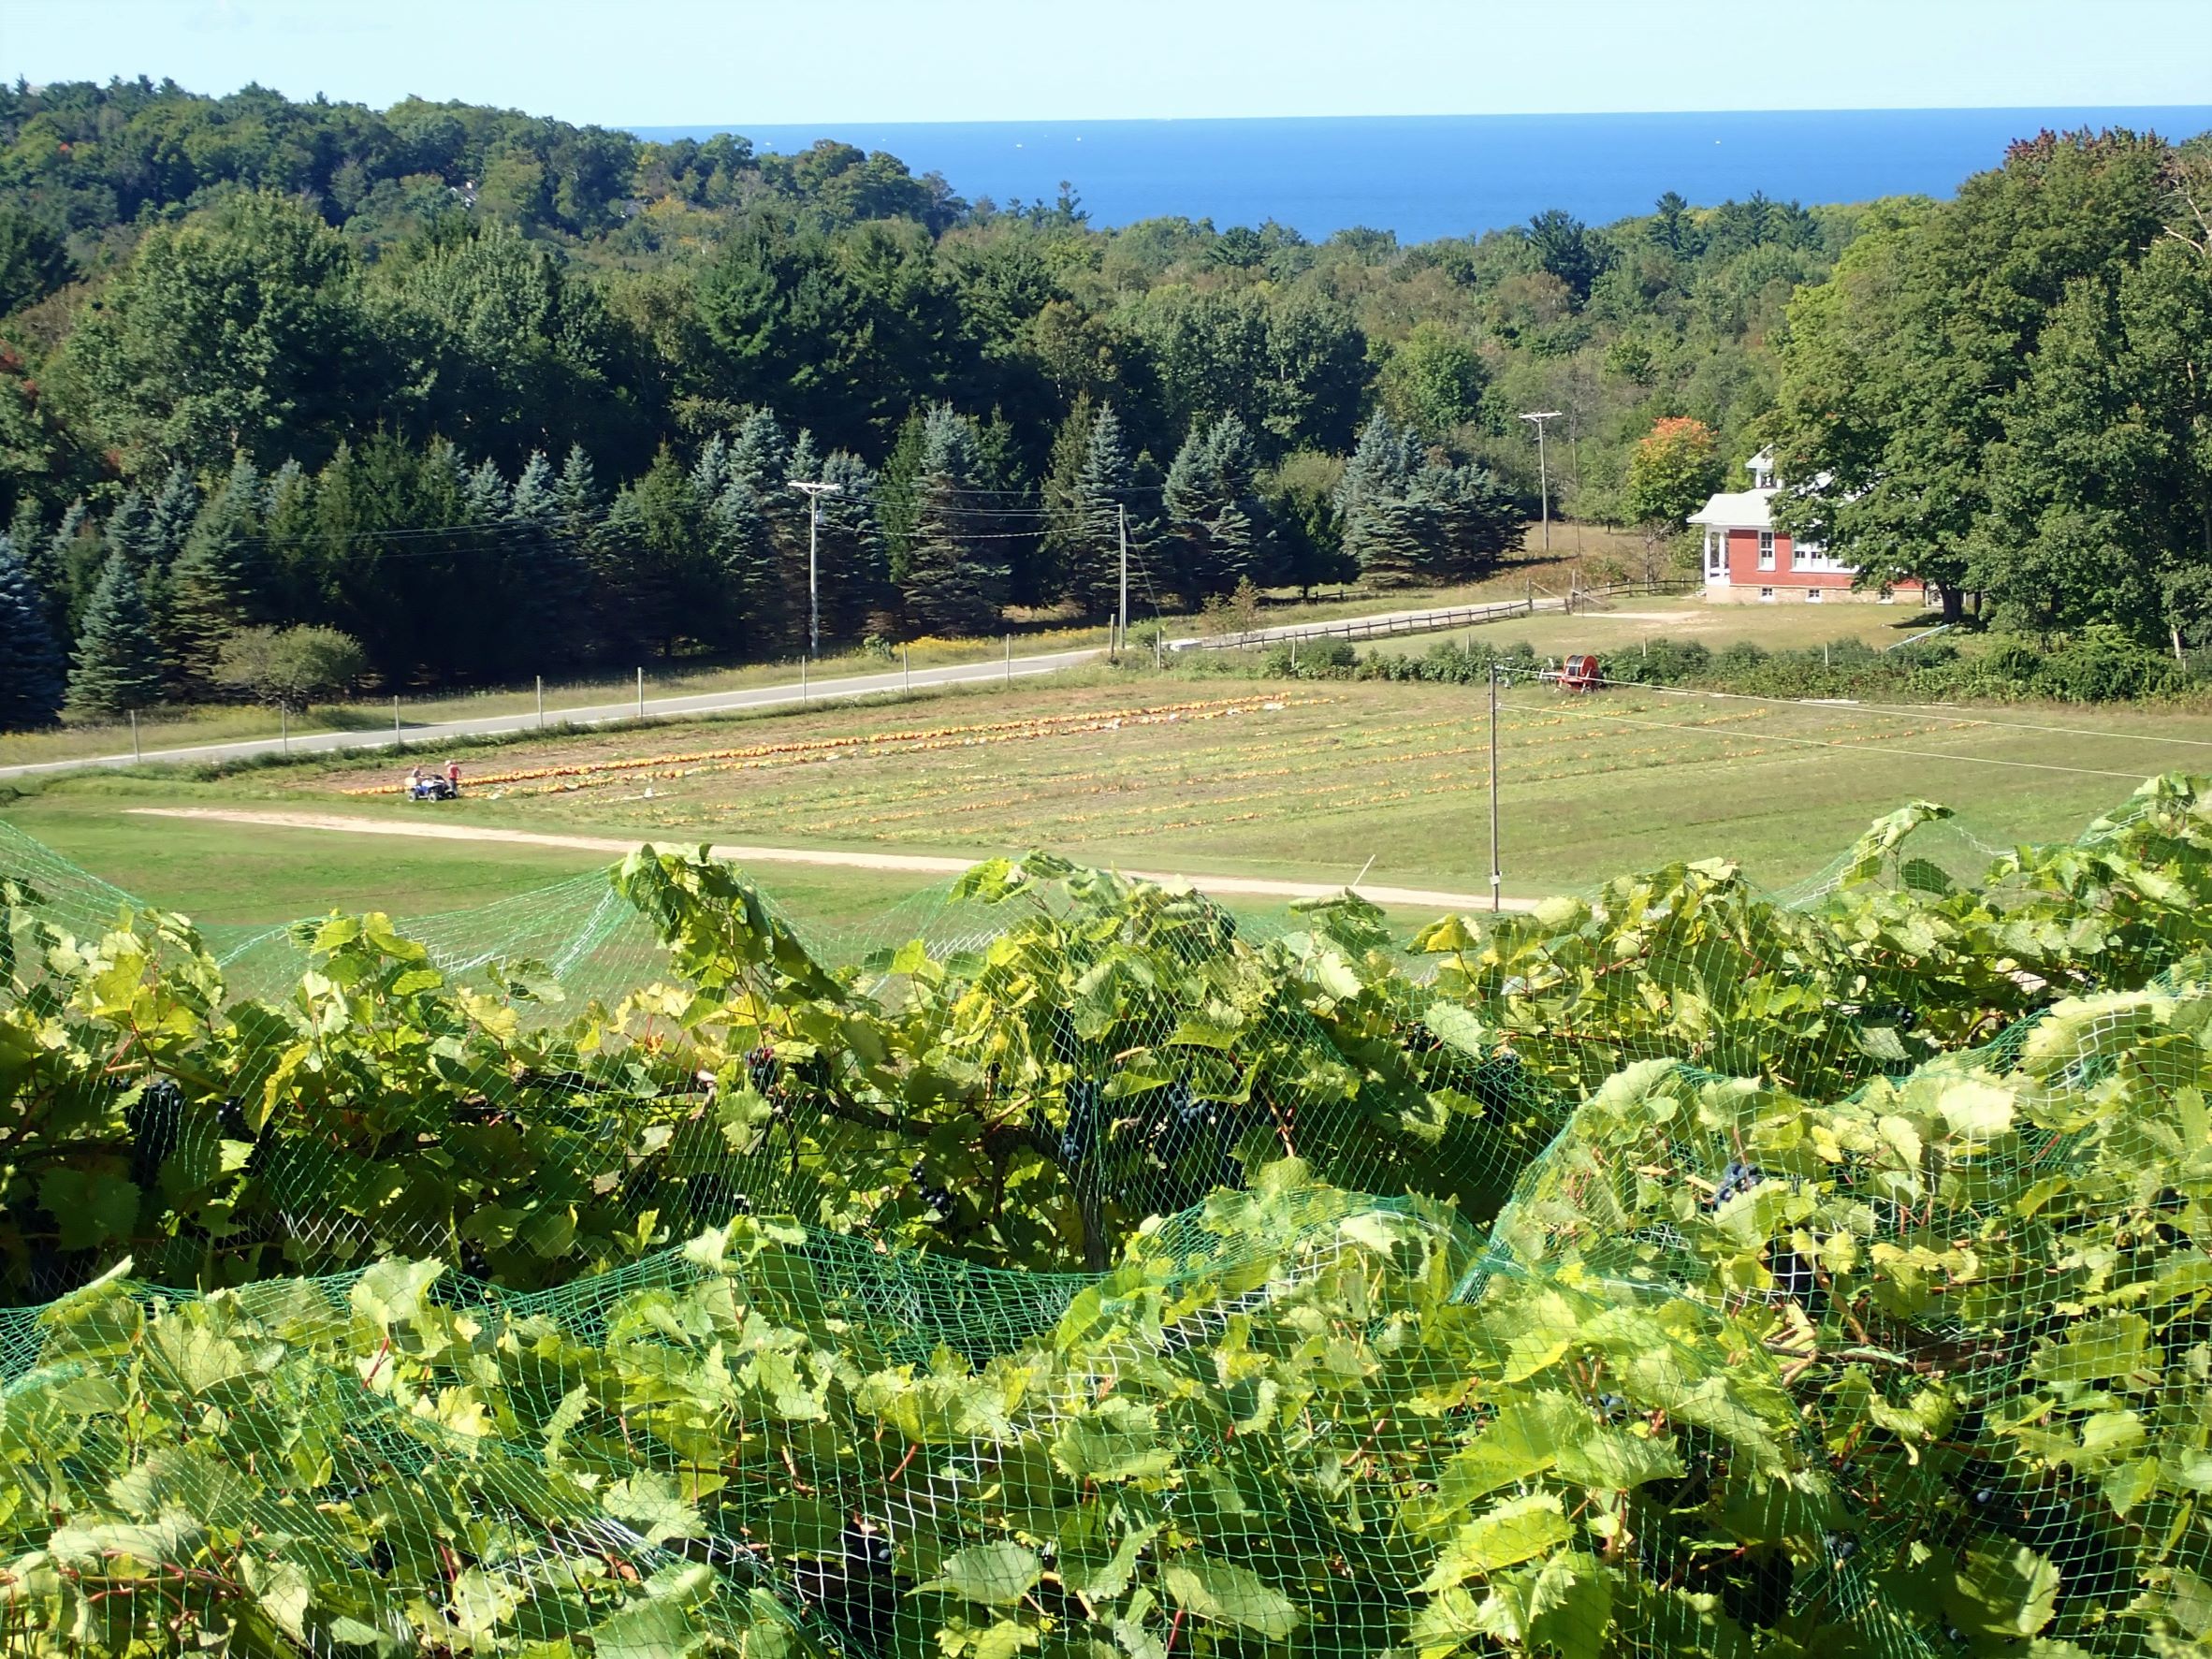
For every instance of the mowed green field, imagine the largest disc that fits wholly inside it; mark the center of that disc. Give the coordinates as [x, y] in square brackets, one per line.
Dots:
[1303, 782]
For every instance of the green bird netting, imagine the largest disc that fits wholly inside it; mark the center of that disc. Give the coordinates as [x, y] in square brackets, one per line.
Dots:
[1675, 1269]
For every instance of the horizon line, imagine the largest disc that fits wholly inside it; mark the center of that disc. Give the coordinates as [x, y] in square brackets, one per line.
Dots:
[634, 126]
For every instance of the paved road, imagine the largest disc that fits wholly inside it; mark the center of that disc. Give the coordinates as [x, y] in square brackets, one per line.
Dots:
[599, 714]
[1427, 898]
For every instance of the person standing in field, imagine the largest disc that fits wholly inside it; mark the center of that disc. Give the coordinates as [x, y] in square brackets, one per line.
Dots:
[453, 777]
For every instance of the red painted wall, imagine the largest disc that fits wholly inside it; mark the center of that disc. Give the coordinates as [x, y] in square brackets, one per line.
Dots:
[1744, 571]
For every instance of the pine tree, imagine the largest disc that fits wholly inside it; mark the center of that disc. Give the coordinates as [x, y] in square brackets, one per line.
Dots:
[953, 587]
[1105, 490]
[31, 682]
[27, 526]
[1063, 553]
[221, 580]
[1386, 531]
[168, 518]
[576, 494]
[805, 461]
[47, 561]
[1475, 520]
[894, 492]
[552, 583]
[128, 535]
[287, 526]
[1217, 517]
[748, 568]
[854, 583]
[1241, 534]
[485, 495]
[772, 565]
[119, 666]
[711, 471]
[1189, 502]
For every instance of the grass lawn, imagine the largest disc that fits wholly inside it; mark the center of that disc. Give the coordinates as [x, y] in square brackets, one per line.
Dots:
[1629, 621]
[1198, 774]
[1186, 771]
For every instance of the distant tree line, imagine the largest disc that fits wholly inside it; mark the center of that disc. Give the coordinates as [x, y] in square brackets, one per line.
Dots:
[491, 394]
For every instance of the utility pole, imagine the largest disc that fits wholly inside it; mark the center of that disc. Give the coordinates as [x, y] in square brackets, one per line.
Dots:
[1496, 881]
[1543, 473]
[1121, 522]
[814, 492]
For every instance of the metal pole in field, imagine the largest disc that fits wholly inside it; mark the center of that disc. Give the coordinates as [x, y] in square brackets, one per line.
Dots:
[1121, 523]
[1496, 881]
[802, 682]
[641, 694]
[905, 670]
[395, 720]
[1537, 419]
[541, 701]
[1010, 659]
[285, 727]
[135, 755]
[814, 492]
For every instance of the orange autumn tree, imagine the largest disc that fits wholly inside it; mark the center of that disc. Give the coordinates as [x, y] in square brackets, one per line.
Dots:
[1671, 471]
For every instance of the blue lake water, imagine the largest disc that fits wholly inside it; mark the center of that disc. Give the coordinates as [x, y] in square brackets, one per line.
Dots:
[1452, 175]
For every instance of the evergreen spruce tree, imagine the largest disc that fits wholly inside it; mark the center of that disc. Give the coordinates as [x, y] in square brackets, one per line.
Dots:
[1386, 531]
[1475, 520]
[751, 612]
[128, 535]
[485, 495]
[221, 582]
[119, 666]
[1219, 523]
[576, 493]
[27, 526]
[894, 492]
[772, 566]
[47, 561]
[1105, 488]
[1063, 553]
[711, 471]
[552, 582]
[1187, 503]
[855, 586]
[805, 460]
[288, 525]
[1240, 536]
[169, 516]
[953, 586]
[760, 452]
[31, 680]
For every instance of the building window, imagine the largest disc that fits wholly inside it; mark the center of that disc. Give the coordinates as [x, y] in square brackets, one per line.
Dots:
[1715, 558]
[1765, 549]
[1812, 596]
[1767, 595]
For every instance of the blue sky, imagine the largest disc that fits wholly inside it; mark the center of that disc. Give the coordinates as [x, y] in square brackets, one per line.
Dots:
[674, 61]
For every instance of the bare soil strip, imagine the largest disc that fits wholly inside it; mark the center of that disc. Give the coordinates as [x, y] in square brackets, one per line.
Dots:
[920, 863]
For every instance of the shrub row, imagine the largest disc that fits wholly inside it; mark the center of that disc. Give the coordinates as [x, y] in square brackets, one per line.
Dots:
[2098, 666]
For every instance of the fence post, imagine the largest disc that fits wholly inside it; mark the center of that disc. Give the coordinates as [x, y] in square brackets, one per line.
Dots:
[641, 694]
[541, 701]
[396, 743]
[285, 727]
[803, 683]
[135, 754]
[1010, 659]
[905, 670]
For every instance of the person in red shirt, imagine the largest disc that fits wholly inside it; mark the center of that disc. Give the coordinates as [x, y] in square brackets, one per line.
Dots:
[453, 776]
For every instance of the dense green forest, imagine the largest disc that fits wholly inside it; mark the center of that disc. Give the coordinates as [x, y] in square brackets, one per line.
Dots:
[490, 394]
